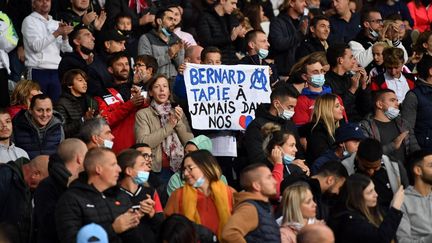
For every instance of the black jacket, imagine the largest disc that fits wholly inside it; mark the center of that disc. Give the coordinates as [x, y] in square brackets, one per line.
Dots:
[253, 138]
[15, 199]
[99, 77]
[352, 227]
[309, 46]
[45, 199]
[71, 60]
[318, 141]
[72, 109]
[356, 105]
[284, 39]
[115, 7]
[215, 30]
[82, 204]
[34, 140]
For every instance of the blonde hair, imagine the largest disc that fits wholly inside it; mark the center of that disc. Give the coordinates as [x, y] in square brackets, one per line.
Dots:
[293, 197]
[22, 92]
[323, 112]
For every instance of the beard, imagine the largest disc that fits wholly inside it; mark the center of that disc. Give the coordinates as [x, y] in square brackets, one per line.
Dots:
[426, 179]
[4, 138]
[121, 77]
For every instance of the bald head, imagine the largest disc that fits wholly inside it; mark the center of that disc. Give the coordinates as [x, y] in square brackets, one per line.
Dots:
[315, 233]
[193, 54]
[36, 170]
[69, 149]
[94, 157]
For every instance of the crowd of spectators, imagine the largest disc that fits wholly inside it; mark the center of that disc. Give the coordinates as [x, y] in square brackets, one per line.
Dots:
[96, 136]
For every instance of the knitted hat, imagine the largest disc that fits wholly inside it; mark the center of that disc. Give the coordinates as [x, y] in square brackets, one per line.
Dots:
[202, 142]
[92, 233]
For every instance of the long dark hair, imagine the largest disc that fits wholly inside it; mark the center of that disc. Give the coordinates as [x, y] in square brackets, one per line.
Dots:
[355, 185]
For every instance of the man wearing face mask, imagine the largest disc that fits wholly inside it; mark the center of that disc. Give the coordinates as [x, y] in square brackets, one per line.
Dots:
[96, 133]
[134, 183]
[280, 112]
[257, 52]
[372, 25]
[162, 43]
[385, 125]
[82, 42]
[312, 73]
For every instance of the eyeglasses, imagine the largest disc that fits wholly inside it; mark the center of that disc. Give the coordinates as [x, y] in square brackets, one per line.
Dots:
[379, 21]
[147, 156]
[139, 65]
[188, 169]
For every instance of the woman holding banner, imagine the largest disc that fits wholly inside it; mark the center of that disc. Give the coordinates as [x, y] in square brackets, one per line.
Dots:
[163, 127]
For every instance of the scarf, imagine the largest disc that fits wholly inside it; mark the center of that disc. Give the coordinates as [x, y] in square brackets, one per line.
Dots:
[219, 194]
[171, 145]
[138, 5]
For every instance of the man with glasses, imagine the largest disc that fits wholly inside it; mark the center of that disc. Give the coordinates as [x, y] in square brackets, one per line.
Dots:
[153, 179]
[144, 69]
[386, 175]
[372, 31]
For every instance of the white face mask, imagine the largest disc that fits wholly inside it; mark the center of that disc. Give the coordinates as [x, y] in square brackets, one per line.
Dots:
[286, 114]
[391, 113]
[108, 144]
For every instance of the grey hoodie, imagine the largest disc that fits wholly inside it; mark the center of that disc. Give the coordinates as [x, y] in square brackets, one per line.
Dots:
[416, 224]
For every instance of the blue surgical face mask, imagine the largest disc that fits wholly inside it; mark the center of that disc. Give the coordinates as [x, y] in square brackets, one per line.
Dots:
[108, 144]
[262, 53]
[199, 182]
[374, 34]
[141, 177]
[288, 159]
[317, 80]
[391, 113]
[346, 154]
[166, 32]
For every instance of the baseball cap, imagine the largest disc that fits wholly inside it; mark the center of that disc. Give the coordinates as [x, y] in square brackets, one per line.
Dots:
[349, 131]
[92, 233]
[115, 35]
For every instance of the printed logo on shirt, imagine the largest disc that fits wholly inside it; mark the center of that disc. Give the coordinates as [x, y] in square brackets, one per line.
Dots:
[90, 206]
[109, 99]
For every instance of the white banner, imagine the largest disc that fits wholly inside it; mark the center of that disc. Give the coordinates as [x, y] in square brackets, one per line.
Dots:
[224, 96]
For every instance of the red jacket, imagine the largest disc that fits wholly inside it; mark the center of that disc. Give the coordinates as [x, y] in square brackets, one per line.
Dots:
[422, 17]
[379, 83]
[120, 116]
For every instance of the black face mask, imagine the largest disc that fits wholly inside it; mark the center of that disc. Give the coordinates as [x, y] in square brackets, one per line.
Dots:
[126, 33]
[86, 50]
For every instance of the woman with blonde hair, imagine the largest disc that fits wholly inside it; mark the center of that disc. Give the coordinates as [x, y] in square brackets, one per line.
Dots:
[204, 199]
[327, 113]
[21, 96]
[299, 210]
